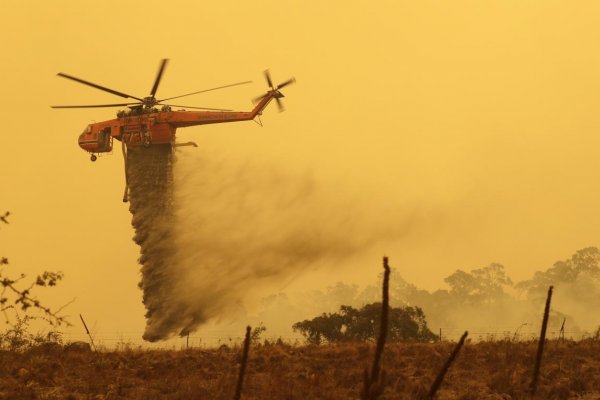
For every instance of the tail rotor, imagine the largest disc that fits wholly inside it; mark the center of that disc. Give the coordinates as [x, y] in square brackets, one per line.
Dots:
[277, 95]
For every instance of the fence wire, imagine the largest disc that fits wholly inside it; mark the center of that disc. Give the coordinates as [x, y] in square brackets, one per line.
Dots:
[215, 339]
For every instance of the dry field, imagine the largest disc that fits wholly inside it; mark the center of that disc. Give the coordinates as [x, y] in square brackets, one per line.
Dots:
[486, 370]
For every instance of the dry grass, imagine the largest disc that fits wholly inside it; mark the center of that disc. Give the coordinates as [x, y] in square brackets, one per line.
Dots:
[487, 370]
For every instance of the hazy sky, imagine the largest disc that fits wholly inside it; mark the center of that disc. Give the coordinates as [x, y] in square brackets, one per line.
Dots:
[476, 121]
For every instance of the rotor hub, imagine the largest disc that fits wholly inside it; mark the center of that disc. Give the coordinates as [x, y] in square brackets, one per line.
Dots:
[150, 101]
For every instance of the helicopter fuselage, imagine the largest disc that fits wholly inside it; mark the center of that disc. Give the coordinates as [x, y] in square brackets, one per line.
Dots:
[157, 127]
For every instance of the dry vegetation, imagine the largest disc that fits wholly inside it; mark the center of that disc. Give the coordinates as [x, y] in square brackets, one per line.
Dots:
[35, 367]
[486, 370]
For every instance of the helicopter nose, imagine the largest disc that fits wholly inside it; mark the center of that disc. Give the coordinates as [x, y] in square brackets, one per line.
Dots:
[83, 141]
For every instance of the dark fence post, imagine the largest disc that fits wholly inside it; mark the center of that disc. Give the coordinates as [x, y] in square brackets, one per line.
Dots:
[238, 387]
[540, 350]
[440, 377]
[374, 382]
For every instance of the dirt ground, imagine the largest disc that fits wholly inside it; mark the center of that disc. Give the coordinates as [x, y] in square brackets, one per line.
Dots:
[486, 370]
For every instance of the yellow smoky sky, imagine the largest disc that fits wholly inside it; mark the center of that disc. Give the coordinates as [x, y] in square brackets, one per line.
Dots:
[479, 116]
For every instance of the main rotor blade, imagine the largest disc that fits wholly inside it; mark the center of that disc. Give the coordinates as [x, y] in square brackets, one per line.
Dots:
[268, 77]
[98, 105]
[98, 86]
[284, 84]
[163, 64]
[279, 105]
[207, 90]
[197, 108]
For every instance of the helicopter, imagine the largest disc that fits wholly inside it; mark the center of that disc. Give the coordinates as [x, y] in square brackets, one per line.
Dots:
[144, 124]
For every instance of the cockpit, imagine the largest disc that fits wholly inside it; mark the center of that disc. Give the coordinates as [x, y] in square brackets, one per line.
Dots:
[96, 139]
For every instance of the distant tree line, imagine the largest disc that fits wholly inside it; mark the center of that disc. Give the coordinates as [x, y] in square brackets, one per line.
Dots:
[485, 297]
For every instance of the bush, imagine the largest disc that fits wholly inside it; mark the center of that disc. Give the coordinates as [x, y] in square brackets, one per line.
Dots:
[19, 338]
[405, 323]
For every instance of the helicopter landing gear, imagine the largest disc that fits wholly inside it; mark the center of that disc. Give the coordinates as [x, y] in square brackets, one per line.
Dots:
[93, 157]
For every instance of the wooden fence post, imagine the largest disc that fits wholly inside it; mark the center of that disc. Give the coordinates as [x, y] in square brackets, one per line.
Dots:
[540, 351]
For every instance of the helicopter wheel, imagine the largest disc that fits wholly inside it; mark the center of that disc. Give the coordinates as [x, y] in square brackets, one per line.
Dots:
[93, 157]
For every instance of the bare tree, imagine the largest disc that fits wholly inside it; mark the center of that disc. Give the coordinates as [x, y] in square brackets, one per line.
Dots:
[16, 294]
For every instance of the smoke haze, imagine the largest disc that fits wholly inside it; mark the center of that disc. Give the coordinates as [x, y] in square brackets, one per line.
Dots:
[218, 234]
[214, 233]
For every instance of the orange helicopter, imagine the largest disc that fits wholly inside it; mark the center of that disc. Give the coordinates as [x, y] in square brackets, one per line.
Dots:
[146, 125]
